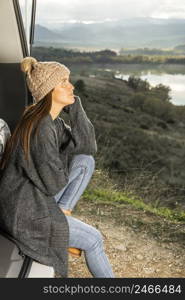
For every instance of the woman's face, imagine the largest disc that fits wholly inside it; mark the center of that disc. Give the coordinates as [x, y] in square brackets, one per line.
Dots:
[63, 93]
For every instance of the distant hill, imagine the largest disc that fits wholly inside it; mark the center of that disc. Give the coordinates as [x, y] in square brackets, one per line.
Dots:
[180, 48]
[139, 137]
[133, 33]
[44, 34]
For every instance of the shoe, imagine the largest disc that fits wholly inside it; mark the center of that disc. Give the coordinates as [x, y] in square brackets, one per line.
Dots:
[66, 212]
[75, 252]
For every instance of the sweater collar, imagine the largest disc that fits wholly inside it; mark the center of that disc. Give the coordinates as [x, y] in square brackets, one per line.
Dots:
[51, 119]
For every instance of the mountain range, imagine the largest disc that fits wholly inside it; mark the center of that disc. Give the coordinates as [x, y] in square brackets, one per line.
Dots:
[127, 33]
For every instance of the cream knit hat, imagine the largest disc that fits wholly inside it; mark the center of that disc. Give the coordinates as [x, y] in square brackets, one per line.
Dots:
[42, 77]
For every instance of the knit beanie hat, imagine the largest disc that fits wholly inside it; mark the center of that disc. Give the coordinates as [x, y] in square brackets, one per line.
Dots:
[42, 77]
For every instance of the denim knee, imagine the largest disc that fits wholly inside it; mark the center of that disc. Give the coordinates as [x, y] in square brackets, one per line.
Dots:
[96, 240]
[91, 160]
[86, 161]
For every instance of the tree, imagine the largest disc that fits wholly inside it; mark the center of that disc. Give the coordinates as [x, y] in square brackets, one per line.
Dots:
[138, 84]
[162, 92]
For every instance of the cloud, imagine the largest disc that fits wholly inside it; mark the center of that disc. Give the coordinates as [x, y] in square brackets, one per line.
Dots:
[98, 10]
[170, 9]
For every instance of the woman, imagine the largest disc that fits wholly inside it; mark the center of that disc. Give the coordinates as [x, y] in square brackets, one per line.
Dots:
[44, 170]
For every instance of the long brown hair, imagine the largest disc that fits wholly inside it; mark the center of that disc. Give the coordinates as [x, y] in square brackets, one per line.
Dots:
[30, 119]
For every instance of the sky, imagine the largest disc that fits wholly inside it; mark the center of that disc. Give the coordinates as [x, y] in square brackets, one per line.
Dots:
[89, 11]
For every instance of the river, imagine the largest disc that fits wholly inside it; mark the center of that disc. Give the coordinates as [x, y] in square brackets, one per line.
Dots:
[170, 75]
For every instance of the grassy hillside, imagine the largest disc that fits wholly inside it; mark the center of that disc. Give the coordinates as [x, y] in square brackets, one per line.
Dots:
[140, 137]
[104, 197]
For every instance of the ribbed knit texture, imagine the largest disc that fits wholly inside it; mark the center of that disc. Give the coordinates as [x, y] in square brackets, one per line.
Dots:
[28, 210]
[42, 77]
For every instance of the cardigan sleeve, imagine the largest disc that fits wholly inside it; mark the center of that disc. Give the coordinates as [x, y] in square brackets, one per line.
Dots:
[81, 130]
[46, 170]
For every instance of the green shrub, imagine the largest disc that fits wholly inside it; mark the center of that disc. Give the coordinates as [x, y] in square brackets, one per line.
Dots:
[137, 101]
[162, 92]
[138, 84]
[156, 107]
[145, 121]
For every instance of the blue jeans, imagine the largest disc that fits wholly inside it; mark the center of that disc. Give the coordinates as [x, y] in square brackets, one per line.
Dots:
[82, 235]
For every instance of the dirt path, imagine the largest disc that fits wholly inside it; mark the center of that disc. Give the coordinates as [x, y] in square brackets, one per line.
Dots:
[132, 253]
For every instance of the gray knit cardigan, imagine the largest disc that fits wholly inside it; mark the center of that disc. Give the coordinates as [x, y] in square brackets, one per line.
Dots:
[28, 211]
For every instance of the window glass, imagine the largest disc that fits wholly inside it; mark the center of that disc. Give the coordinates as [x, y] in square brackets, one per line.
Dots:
[26, 10]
